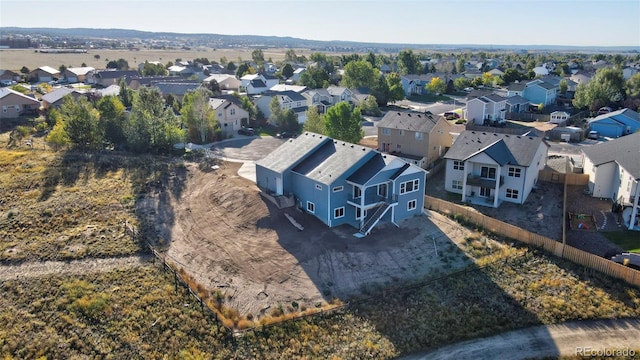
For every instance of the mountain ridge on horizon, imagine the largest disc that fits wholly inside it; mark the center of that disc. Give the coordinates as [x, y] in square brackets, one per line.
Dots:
[287, 41]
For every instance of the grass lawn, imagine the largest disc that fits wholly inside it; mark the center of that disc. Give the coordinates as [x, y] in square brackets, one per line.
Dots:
[626, 239]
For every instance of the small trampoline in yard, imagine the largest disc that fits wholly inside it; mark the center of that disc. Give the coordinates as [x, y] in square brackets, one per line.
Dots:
[582, 221]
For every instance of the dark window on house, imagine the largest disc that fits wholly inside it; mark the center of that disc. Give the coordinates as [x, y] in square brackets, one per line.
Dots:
[458, 165]
[515, 172]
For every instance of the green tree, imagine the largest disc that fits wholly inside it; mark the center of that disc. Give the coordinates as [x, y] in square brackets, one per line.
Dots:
[198, 116]
[258, 56]
[314, 78]
[490, 80]
[436, 86]
[380, 90]
[605, 88]
[460, 65]
[231, 67]
[461, 83]
[563, 86]
[120, 64]
[276, 110]
[396, 91]
[58, 136]
[150, 69]
[152, 127]
[242, 70]
[343, 123]
[24, 70]
[125, 94]
[510, 75]
[315, 121]
[248, 105]
[290, 56]
[112, 119]
[62, 68]
[370, 106]
[633, 86]
[81, 122]
[409, 63]
[359, 74]
[287, 70]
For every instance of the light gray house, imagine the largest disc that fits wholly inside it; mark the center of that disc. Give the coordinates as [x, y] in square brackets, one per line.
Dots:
[342, 183]
[488, 168]
[614, 173]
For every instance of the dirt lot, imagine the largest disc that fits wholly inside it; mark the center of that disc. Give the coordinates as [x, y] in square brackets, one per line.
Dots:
[222, 232]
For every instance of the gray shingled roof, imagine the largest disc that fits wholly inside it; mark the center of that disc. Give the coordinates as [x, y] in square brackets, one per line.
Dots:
[409, 120]
[292, 151]
[332, 160]
[56, 94]
[624, 150]
[5, 91]
[626, 112]
[116, 74]
[516, 87]
[516, 99]
[503, 148]
[175, 88]
[258, 83]
[495, 97]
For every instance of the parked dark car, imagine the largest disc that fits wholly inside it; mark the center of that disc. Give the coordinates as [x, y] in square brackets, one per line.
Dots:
[247, 131]
[451, 116]
[286, 135]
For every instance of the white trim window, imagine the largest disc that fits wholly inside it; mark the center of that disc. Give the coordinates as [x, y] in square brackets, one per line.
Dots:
[419, 136]
[515, 172]
[412, 205]
[311, 207]
[409, 186]
[338, 188]
[458, 165]
[338, 212]
[456, 184]
[357, 192]
[512, 194]
[386, 131]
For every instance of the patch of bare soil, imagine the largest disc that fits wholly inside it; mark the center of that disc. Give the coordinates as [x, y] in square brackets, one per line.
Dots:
[230, 239]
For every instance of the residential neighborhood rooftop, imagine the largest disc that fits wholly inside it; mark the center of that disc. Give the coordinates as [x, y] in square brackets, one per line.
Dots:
[624, 150]
[503, 148]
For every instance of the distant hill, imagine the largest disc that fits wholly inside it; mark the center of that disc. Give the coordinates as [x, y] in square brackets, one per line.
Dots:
[219, 40]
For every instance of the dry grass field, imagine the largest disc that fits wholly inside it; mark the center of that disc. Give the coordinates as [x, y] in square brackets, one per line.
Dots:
[15, 59]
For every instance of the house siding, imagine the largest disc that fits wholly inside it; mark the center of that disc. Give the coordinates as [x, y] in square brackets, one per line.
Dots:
[400, 210]
[13, 105]
[605, 177]
[307, 192]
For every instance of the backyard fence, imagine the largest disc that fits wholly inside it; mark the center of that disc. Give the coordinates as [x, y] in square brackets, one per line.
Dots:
[549, 175]
[527, 117]
[559, 249]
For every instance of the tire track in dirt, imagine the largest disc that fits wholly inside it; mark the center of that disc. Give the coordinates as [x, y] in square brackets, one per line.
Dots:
[73, 267]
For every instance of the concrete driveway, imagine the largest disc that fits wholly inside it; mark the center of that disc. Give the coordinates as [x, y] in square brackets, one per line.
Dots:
[578, 338]
[244, 149]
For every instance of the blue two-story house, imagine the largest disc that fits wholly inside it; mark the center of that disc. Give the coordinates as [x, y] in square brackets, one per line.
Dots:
[616, 123]
[342, 183]
[540, 92]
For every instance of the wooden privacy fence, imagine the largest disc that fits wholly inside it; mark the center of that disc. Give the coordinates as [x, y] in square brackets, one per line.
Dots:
[559, 249]
[552, 176]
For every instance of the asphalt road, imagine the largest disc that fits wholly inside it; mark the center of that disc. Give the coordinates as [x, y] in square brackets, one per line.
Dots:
[582, 338]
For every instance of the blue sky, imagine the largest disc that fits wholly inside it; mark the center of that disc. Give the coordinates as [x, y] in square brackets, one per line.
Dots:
[503, 22]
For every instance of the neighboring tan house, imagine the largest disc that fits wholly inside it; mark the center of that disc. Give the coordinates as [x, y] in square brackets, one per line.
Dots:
[341, 183]
[616, 123]
[176, 89]
[489, 168]
[77, 74]
[229, 113]
[614, 173]
[287, 99]
[319, 98]
[225, 81]
[136, 82]
[417, 138]
[486, 109]
[55, 98]
[8, 75]
[44, 74]
[15, 104]
[106, 78]
[340, 93]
